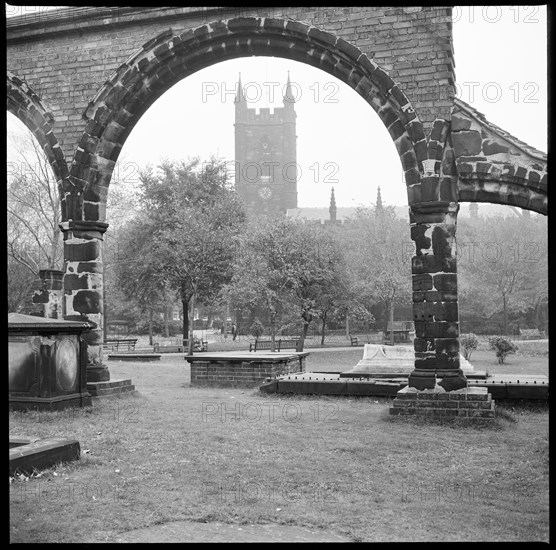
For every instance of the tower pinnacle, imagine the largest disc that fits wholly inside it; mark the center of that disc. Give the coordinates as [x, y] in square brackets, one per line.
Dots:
[332, 209]
[378, 200]
[289, 99]
[240, 98]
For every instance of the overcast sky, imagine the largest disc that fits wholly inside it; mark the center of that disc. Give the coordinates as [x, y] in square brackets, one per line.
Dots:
[501, 66]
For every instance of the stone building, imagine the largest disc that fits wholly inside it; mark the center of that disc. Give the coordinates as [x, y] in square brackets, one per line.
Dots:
[265, 154]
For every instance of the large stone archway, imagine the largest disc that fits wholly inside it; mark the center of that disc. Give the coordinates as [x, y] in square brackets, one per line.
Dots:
[360, 46]
[169, 58]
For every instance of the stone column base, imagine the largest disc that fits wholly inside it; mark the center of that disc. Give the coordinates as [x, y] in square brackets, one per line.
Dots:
[97, 373]
[467, 403]
[450, 380]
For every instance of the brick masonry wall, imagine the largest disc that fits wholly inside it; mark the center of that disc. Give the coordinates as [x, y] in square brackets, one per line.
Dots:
[67, 61]
[466, 403]
[230, 373]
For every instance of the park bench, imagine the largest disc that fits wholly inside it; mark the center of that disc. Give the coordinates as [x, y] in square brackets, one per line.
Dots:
[167, 348]
[267, 344]
[353, 340]
[180, 346]
[115, 344]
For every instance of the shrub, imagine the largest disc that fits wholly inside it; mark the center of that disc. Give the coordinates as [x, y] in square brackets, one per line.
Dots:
[257, 328]
[468, 344]
[502, 346]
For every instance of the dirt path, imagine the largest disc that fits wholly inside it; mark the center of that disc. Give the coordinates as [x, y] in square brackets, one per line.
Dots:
[190, 531]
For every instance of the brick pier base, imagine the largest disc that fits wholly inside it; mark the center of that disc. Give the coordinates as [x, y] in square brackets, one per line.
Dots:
[467, 403]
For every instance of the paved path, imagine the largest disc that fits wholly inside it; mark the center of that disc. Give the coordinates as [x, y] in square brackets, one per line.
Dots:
[191, 531]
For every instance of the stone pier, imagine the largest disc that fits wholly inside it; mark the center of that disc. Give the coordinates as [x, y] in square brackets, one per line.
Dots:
[83, 284]
[435, 300]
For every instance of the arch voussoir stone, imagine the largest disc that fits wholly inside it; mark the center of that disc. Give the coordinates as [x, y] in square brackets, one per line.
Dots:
[494, 166]
[26, 105]
[167, 58]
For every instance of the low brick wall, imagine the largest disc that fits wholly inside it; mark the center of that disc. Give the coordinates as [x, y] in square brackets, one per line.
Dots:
[467, 402]
[243, 371]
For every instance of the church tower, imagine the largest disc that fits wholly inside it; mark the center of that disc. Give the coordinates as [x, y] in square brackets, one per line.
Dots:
[266, 154]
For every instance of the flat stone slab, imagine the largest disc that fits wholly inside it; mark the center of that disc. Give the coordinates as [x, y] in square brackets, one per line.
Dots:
[258, 356]
[29, 454]
[438, 392]
[381, 360]
[135, 356]
[191, 531]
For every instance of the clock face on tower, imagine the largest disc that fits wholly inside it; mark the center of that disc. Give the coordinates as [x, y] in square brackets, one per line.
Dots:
[265, 192]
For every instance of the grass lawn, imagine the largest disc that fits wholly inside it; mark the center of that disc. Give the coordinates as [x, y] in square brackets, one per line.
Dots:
[172, 452]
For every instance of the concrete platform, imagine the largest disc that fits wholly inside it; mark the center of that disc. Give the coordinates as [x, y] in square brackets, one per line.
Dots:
[500, 386]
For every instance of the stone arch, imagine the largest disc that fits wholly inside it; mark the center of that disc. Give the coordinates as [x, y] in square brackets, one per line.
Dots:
[168, 58]
[494, 166]
[26, 105]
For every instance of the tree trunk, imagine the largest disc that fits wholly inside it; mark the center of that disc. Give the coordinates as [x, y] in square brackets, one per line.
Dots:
[151, 313]
[301, 341]
[385, 317]
[185, 327]
[347, 323]
[226, 313]
[272, 330]
[505, 315]
[392, 323]
[191, 314]
[166, 327]
[323, 327]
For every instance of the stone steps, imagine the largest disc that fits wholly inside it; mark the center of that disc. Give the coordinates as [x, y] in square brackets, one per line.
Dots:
[110, 387]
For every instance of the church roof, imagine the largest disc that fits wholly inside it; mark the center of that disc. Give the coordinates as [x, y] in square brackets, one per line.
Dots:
[342, 212]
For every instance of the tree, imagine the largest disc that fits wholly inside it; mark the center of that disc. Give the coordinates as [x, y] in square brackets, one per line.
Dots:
[34, 213]
[137, 269]
[285, 264]
[190, 217]
[20, 280]
[379, 259]
[502, 264]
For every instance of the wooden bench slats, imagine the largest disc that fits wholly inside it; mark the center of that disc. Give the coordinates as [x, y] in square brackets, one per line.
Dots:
[267, 344]
[120, 342]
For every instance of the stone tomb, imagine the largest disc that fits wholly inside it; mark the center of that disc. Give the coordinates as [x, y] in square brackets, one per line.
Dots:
[46, 363]
[381, 361]
[248, 369]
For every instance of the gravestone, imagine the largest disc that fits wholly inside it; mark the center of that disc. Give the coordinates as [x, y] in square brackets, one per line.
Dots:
[382, 361]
